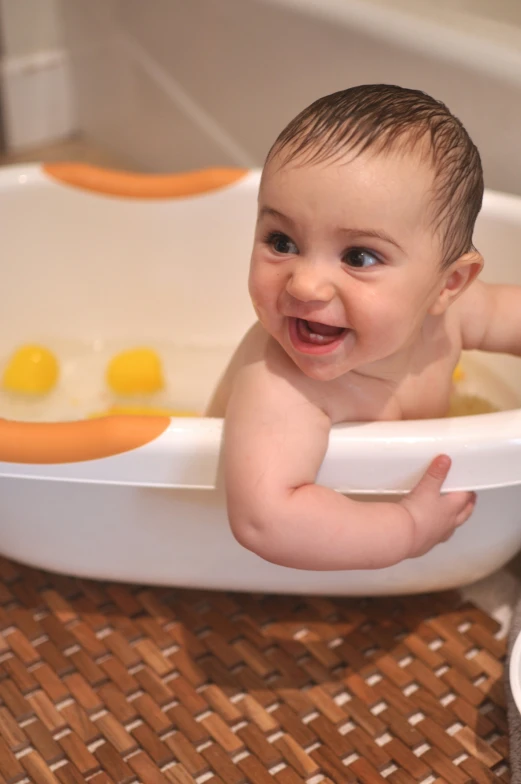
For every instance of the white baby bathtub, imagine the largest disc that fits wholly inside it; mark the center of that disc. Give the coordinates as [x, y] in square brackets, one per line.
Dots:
[93, 254]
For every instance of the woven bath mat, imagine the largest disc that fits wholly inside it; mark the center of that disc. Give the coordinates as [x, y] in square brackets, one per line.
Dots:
[112, 683]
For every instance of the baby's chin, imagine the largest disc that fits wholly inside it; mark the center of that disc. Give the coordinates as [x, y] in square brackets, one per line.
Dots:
[321, 371]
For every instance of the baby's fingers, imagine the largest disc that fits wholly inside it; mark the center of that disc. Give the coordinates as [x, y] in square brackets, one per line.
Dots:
[458, 506]
[434, 476]
[463, 515]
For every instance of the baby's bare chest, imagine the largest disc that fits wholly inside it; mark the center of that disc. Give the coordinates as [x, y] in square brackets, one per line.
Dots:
[422, 394]
[427, 395]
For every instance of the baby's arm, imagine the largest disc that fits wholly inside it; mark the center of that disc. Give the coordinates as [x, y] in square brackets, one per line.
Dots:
[491, 318]
[276, 437]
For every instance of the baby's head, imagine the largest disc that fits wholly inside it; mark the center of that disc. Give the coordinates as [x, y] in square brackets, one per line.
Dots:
[385, 119]
[382, 183]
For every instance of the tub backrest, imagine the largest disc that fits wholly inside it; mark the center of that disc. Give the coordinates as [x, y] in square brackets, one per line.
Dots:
[498, 237]
[152, 262]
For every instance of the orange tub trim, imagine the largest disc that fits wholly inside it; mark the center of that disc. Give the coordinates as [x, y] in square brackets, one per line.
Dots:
[74, 442]
[142, 186]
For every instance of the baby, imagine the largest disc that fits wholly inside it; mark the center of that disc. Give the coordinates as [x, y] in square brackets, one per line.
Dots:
[364, 279]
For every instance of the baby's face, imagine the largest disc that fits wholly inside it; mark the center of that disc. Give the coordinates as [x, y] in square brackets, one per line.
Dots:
[345, 263]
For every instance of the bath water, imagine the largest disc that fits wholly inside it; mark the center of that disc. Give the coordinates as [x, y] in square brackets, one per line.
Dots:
[190, 374]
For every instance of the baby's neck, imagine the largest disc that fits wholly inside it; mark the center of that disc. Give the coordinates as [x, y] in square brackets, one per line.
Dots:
[410, 359]
[391, 371]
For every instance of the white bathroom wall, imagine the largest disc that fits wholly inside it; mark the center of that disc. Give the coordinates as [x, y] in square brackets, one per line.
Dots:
[176, 85]
[30, 26]
[128, 100]
[35, 80]
[504, 11]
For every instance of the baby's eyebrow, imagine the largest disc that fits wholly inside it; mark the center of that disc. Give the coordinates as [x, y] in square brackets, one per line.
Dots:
[274, 214]
[376, 233]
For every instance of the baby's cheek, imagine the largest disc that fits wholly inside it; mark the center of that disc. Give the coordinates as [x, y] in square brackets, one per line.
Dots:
[253, 289]
[258, 303]
[402, 323]
[261, 287]
[387, 324]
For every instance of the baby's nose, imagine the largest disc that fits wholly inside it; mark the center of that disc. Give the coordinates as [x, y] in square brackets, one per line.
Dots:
[309, 285]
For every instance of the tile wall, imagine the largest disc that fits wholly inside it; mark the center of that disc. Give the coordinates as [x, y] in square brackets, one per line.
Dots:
[181, 84]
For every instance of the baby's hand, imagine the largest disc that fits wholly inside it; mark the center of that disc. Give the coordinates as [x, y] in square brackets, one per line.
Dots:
[436, 516]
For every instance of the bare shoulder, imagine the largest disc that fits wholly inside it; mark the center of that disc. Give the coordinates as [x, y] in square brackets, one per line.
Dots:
[260, 366]
[258, 359]
[250, 350]
[267, 366]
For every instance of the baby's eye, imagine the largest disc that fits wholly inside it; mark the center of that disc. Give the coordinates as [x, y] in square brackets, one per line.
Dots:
[360, 257]
[281, 243]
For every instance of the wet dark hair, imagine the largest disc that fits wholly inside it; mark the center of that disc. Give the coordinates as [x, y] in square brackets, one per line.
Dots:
[383, 117]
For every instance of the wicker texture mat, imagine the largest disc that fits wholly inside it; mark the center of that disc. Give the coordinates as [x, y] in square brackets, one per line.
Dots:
[112, 683]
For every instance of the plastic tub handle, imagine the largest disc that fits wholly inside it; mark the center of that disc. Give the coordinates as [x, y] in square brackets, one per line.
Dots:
[73, 442]
[142, 186]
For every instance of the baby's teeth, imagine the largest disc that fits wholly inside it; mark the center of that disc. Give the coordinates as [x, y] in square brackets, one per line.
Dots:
[317, 337]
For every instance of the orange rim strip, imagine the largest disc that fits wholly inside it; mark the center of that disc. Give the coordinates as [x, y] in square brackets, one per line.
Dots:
[73, 442]
[142, 186]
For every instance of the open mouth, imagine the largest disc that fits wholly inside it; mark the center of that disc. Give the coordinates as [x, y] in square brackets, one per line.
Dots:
[315, 337]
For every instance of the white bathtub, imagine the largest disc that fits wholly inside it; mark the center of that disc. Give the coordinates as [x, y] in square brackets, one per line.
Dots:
[138, 499]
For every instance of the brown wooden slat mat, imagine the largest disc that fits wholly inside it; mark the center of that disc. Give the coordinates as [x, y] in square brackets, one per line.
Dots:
[112, 683]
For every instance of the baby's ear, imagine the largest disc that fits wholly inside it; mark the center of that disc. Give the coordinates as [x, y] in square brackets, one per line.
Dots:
[455, 280]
